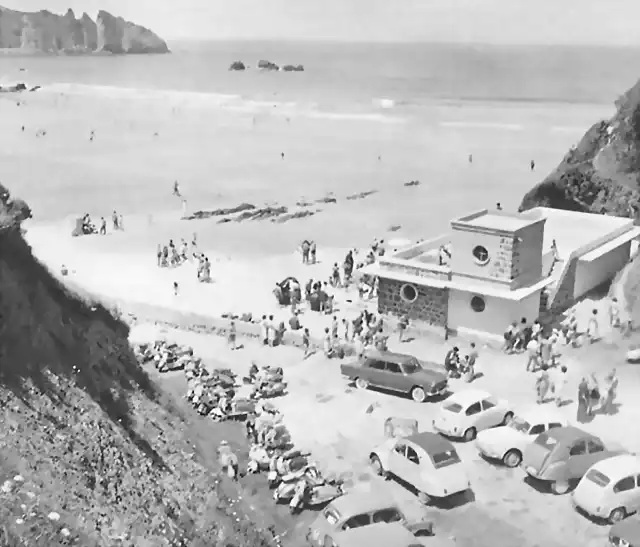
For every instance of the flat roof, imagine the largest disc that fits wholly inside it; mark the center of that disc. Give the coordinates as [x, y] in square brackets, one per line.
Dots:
[497, 220]
[611, 245]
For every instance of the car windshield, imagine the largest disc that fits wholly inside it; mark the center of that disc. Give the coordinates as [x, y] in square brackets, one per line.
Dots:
[598, 478]
[453, 407]
[331, 515]
[444, 459]
[545, 441]
[411, 367]
[520, 425]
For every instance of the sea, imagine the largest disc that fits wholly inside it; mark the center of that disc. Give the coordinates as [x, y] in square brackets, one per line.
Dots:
[348, 77]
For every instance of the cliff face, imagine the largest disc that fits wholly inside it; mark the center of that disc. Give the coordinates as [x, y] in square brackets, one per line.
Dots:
[602, 173]
[50, 33]
[85, 432]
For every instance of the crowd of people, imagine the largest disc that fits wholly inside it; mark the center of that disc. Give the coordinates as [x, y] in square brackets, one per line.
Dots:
[172, 255]
[87, 226]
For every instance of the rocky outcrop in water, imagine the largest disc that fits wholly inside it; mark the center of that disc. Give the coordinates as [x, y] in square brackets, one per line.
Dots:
[237, 65]
[267, 65]
[601, 174]
[293, 68]
[46, 32]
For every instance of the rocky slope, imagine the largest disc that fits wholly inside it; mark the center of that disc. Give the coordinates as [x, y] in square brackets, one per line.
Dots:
[602, 173]
[92, 452]
[47, 32]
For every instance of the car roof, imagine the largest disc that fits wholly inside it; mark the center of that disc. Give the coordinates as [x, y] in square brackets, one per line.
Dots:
[569, 434]
[627, 529]
[401, 358]
[431, 443]
[540, 413]
[468, 396]
[382, 534]
[619, 466]
[355, 503]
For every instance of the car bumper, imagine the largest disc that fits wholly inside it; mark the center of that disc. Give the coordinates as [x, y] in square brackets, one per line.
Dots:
[598, 512]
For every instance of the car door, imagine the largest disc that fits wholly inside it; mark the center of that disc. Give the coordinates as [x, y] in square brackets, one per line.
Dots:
[398, 460]
[373, 371]
[473, 415]
[579, 460]
[394, 377]
[595, 452]
[623, 492]
[413, 466]
[490, 415]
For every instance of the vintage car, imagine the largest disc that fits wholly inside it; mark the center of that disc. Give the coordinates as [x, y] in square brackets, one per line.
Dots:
[508, 442]
[397, 372]
[625, 533]
[562, 456]
[427, 462]
[466, 412]
[358, 509]
[610, 489]
[375, 535]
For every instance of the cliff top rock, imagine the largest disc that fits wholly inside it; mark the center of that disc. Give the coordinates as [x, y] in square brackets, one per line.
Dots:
[601, 174]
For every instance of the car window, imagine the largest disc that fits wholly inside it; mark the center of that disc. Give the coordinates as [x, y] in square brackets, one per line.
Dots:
[578, 449]
[400, 448]
[487, 404]
[537, 429]
[638, 480]
[598, 478]
[357, 522]
[387, 515]
[393, 367]
[553, 425]
[624, 485]
[412, 455]
[444, 459]
[473, 409]
[375, 364]
[411, 367]
[595, 446]
[453, 407]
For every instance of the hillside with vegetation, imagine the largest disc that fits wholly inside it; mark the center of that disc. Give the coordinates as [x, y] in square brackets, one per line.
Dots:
[92, 452]
[601, 174]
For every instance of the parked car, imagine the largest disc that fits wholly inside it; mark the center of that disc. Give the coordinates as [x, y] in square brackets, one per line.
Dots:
[375, 535]
[397, 372]
[625, 533]
[466, 412]
[610, 489]
[562, 456]
[508, 442]
[355, 510]
[426, 461]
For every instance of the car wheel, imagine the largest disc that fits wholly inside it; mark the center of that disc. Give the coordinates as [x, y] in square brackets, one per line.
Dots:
[560, 487]
[376, 465]
[470, 434]
[513, 458]
[418, 394]
[507, 418]
[361, 383]
[423, 498]
[617, 515]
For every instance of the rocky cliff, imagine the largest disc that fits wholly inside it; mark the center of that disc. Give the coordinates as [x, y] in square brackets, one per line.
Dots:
[92, 452]
[601, 174]
[47, 32]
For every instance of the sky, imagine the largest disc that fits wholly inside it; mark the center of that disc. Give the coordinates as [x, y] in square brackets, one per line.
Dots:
[597, 22]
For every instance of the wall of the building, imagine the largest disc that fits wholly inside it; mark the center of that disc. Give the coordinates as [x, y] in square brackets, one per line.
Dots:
[430, 307]
[497, 315]
[514, 260]
[590, 275]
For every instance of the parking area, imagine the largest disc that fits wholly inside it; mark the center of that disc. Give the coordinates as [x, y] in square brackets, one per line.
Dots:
[340, 424]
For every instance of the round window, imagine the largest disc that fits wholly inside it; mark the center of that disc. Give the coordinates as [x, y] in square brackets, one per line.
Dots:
[481, 254]
[477, 304]
[409, 293]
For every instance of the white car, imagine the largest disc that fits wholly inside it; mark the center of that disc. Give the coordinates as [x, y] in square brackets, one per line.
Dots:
[610, 489]
[466, 412]
[426, 461]
[507, 442]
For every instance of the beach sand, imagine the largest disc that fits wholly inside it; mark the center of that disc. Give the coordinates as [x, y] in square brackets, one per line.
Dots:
[224, 156]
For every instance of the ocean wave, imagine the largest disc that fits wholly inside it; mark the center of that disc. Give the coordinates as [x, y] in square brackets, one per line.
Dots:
[483, 125]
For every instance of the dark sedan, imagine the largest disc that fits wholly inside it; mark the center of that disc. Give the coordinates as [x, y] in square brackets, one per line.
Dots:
[397, 372]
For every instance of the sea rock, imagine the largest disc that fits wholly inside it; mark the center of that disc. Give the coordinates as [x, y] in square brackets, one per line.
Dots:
[47, 32]
[237, 65]
[267, 65]
[293, 68]
[601, 174]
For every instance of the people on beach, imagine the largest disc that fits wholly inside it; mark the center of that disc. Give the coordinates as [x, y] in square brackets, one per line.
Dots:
[176, 189]
[305, 247]
[103, 226]
[610, 393]
[498, 206]
[533, 165]
[313, 250]
[593, 331]
[114, 219]
[232, 335]
[175, 288]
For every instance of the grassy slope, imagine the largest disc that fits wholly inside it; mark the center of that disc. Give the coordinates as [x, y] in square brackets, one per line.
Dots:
[92, 435]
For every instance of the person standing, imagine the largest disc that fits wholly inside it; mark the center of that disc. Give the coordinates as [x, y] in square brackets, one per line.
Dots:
[334, 329]
[614, 313]
[358, 343]
[232, 335]
[175, 288]
[593, 331]
[542, 384]
[594, 393]
[306, 343]
[533, 348]
[402, 327]
[610, 392]
[473, 357]
[264, 330]
[327, 345]
[114, 219]
[559, 385]
[313, 249]
[305, 252]
[159, 254]
[103, 226]
[582, 415]
[271, 332]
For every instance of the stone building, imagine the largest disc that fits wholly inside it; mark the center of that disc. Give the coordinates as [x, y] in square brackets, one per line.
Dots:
[496, 267]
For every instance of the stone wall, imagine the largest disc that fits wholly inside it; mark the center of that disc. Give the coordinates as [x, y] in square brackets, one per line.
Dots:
[504, 265]
[431, 306]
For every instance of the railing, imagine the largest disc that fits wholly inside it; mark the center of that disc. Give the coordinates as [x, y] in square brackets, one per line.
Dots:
[415, 251]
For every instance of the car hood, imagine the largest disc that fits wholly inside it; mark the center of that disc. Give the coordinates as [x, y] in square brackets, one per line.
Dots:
[502, 437]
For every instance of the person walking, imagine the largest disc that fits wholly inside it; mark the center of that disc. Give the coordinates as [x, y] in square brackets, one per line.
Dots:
[232, 335]
[306, 343]
[610, 393]
[542, 384]
[402, 327]
[559, 385]
[594, 393]
[533, 356]
[593, 331]
[582, 415]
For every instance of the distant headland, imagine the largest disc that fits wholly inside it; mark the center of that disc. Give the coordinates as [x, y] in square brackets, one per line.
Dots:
[46, 32]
